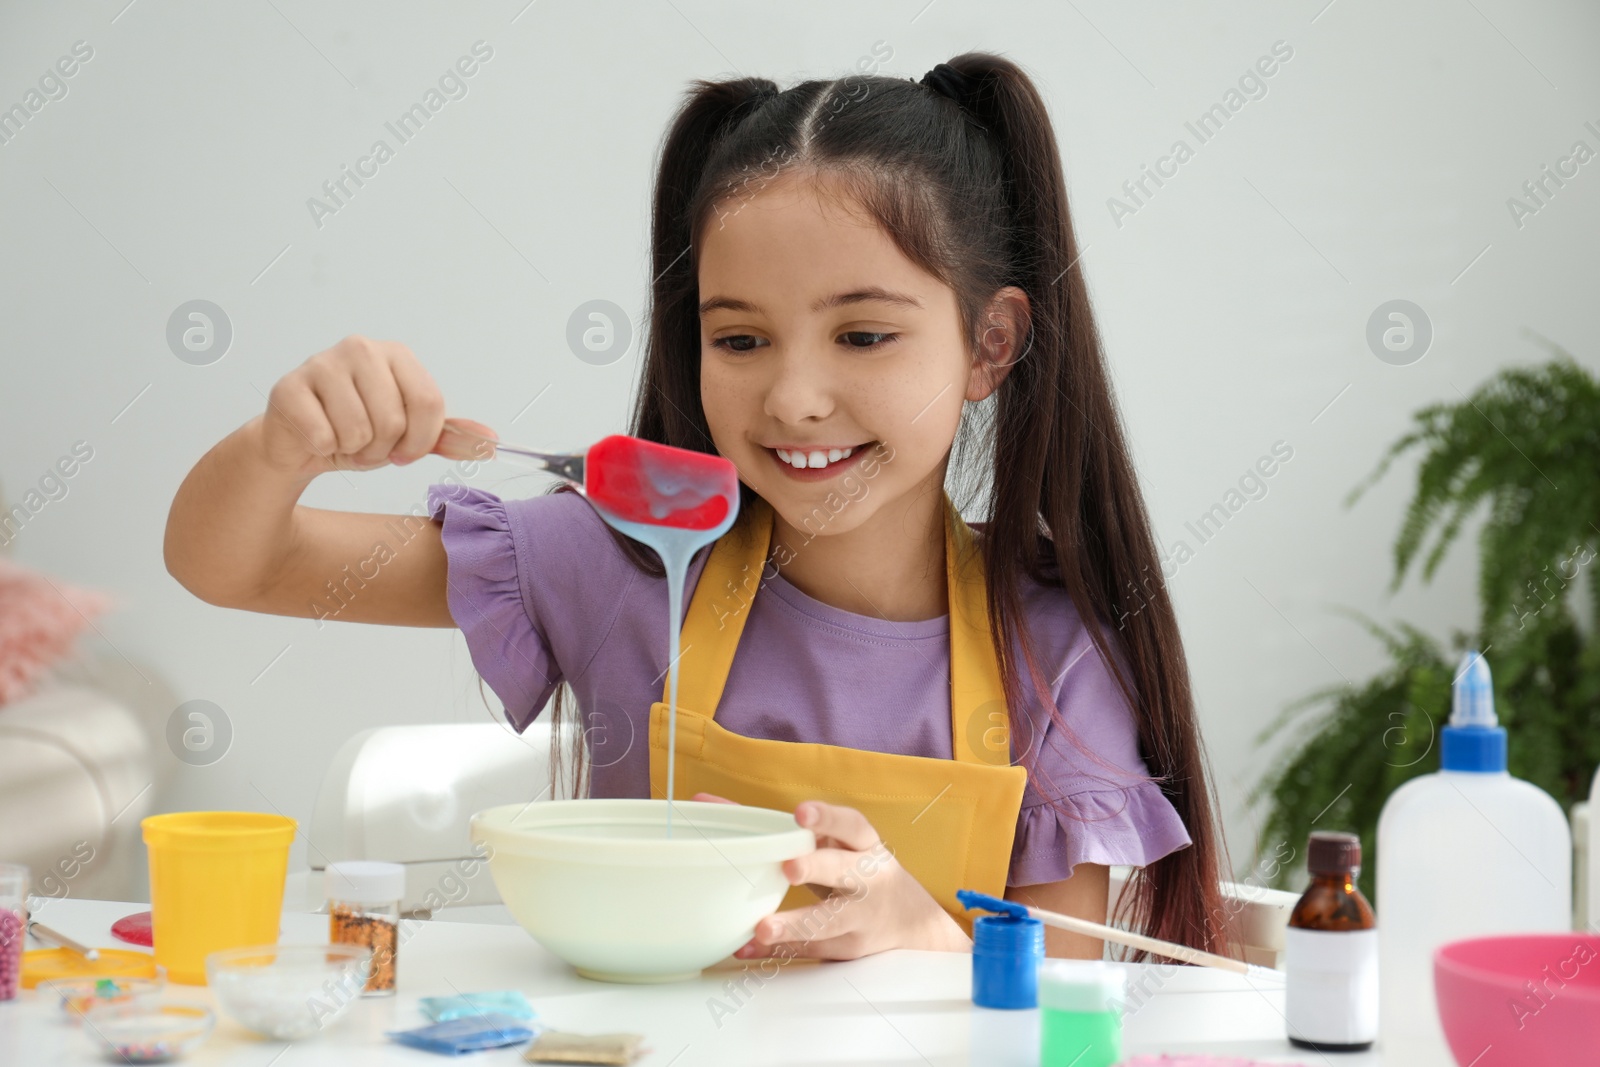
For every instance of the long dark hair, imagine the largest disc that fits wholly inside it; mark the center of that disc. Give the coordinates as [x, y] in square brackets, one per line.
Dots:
[974, 194]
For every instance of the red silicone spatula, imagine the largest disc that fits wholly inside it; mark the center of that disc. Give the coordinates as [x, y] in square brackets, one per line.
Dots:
[635, 480]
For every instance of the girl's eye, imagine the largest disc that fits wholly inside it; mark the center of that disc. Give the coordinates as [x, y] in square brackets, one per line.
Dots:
[864, 340]
[861, 340]
[738, 342]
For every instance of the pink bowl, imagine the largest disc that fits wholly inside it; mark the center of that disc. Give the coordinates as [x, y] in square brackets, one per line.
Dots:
[1522, 1000]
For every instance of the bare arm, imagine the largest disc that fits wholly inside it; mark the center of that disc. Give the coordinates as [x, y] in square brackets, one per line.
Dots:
[1085, 895]
[237, 536]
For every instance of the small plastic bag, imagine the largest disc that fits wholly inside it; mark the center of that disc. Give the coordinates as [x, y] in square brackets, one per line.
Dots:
[556, 1047]
[500, 1001]
[468, 1034]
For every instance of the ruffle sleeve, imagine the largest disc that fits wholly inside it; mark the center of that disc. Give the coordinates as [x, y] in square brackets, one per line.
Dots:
[488, 601]
[1090, 796]
[1133, 826]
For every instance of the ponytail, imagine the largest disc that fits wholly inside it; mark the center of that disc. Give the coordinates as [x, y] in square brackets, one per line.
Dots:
[1062, 460]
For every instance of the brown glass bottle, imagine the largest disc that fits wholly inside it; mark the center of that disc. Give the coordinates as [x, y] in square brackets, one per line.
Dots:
[1331, 997]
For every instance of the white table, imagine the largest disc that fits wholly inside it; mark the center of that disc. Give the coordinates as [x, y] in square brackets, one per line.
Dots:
[902, 1007]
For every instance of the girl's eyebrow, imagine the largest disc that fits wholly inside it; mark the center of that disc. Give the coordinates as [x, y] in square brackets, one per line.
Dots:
[870, 294]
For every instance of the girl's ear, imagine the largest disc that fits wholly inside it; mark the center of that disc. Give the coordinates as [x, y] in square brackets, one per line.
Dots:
[1003, 342]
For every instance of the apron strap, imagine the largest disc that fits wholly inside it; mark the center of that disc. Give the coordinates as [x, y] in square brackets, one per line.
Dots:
[714, 622]
[980, 730]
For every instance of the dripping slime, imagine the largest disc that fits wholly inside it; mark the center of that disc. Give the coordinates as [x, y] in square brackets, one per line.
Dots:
[676, 501]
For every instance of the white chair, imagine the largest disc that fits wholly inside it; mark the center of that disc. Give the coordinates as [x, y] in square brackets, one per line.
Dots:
[76, 776]
[404, 794]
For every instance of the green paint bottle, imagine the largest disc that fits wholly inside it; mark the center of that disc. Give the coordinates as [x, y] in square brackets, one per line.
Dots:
[1080, 1013]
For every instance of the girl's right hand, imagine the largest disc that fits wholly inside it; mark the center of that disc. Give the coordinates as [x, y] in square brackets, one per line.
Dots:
[359, 405]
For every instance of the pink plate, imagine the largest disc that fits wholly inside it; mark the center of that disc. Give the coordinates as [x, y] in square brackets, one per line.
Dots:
[1520, 1000]
[134, 929]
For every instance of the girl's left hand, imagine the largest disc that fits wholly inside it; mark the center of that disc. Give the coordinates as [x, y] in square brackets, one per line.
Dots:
[870, 902]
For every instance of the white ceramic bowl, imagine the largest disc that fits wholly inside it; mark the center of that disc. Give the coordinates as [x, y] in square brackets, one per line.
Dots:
[598, 882]
[288, 991]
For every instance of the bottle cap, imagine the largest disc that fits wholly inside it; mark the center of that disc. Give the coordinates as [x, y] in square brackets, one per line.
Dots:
[1006, 951]
[1081, 985]
[1333, 852]
[365, 882]
[1474, 740]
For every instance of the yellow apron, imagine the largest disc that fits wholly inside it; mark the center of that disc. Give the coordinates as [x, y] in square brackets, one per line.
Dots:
[950, 823]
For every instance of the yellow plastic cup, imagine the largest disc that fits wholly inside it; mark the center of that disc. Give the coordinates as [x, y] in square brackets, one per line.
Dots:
[216, 882]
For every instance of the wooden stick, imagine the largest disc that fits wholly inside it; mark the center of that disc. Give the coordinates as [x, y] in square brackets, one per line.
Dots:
[1168, 949]
[56, 937]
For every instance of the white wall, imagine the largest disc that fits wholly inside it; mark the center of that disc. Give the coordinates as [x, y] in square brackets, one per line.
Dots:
[1233, 302]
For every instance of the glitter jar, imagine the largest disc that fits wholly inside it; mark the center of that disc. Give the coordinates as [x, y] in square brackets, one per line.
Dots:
[13, 926]
[364, 909]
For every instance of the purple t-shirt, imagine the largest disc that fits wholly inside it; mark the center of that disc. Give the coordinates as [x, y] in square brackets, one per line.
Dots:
[543, 595]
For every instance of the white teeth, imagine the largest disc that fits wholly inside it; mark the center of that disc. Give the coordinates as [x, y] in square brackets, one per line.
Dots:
[818, 458]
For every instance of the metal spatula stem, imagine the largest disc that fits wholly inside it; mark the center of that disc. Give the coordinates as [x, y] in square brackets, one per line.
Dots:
[567, 465]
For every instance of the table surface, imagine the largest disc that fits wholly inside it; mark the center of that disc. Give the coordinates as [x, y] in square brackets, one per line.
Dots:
[900, 1007]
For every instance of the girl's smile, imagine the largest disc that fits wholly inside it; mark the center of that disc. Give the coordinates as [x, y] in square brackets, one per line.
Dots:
[816, 464]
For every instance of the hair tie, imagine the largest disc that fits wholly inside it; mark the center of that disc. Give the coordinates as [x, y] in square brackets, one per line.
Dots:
[948, 81]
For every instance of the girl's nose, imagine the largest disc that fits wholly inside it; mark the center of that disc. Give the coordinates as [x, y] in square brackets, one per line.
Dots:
[799, 388]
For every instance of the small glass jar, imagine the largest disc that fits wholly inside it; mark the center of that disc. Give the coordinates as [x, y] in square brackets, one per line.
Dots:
[1330, 998]
[364, 909]
[13, 926]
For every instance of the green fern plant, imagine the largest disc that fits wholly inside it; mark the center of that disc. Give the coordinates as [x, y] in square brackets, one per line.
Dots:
[1524, 450]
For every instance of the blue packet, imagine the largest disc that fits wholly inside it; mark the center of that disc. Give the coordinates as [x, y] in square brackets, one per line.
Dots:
[469, 1034]
[501, 1001]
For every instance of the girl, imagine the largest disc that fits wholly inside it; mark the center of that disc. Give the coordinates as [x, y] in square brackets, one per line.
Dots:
[854, 281]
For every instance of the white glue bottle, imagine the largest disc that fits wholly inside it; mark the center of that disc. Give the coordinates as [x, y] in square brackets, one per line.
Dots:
[1593, 879]
[1467, 852]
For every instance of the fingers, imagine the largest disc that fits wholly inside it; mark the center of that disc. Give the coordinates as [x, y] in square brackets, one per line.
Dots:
[361, 404]
[295, 407]
[712, 798]
[386, 412]
[453, 444]
[342, 405]
[843, 870]
[847, 826]
[844, 947]
[423, 405]
[818, 931]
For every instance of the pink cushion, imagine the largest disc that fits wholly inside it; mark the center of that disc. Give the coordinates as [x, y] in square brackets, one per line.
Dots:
[39, 620]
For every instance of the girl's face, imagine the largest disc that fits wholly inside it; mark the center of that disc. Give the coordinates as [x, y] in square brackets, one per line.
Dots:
[820, 338]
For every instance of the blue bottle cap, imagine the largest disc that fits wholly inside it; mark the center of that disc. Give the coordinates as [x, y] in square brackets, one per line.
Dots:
[1006, 952]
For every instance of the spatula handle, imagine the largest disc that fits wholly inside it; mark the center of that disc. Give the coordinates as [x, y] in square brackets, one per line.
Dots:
[483, 444]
